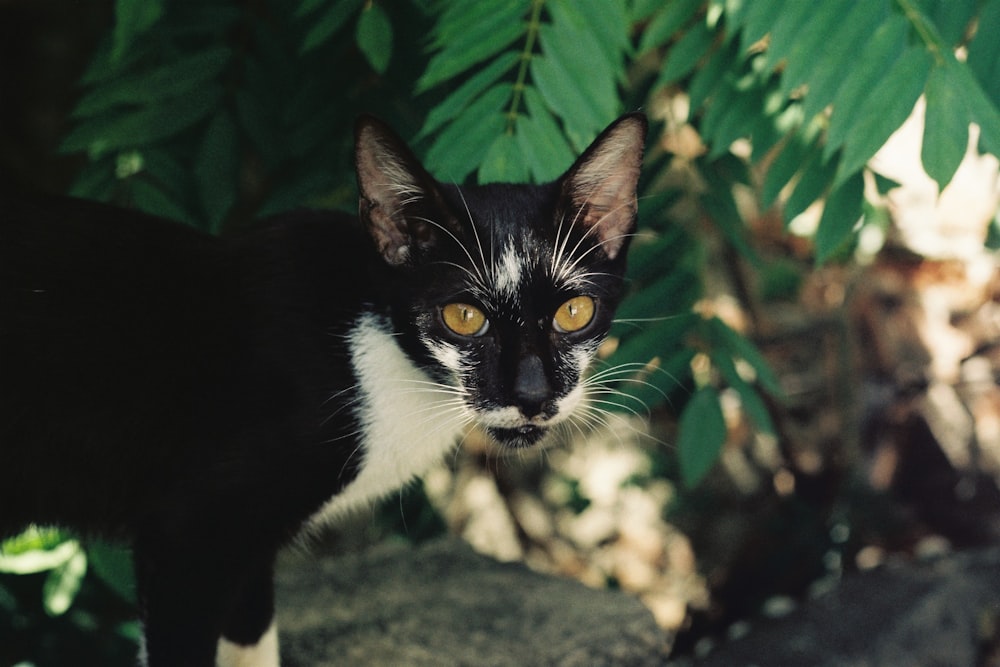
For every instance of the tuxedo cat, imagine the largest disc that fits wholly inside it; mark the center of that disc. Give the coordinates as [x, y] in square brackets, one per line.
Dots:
[206, 399]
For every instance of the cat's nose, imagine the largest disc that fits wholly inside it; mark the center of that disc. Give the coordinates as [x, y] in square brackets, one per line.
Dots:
[531, 388]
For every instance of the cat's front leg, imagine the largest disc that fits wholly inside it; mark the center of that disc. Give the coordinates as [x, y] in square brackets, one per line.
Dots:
[250, 636]
[206, 605]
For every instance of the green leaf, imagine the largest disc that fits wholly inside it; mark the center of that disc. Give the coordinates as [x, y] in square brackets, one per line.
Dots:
[145, 126]
[503, 162]
[701, 435]
[36, 550]
[946, 126]
[870, 66]
[307, 7]
[751, 402]
[63, 583]
[589, 75]
[840, 217]
[216, 166]
[162, 83]
[685, 53]
[721, 208]
[639, 391]
[113, 566]
[453, 105]
[826, 70]
[605, 24]
[657, 341]
[374, 37]
[786, 31]
[735, 345]
[984, 51]
[886, 107]
[784, 167]
[132, 19]
[758, 19]
[335, 16]
[816, 176]
[816, 39]
[154, 200]
[561, 92]
[982, 111]
[460, 148]
[951, 18]
[732, 123]
[479, 42]
[707, 79]
[543, 146]
[672, 17]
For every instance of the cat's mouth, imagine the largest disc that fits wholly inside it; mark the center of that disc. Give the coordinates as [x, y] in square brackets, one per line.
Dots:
[517, 437]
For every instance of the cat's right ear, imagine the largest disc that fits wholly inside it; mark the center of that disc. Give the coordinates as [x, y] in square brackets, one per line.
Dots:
[398, 199]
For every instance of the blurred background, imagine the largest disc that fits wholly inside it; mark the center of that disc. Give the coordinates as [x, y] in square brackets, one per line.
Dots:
[805, 369]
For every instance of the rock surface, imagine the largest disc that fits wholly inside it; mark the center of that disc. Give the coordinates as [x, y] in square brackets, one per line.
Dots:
[442, 604]
[942, 613]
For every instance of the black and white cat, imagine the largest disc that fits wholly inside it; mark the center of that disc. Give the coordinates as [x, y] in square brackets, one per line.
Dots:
[206, 399]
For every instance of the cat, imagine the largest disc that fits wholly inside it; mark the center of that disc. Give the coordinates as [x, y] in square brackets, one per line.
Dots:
[206, 399]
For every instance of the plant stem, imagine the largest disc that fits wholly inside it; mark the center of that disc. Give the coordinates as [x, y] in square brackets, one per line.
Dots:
[534, 23]
[925, 32]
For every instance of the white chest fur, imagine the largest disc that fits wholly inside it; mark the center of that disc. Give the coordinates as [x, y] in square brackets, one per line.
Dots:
[407, 422]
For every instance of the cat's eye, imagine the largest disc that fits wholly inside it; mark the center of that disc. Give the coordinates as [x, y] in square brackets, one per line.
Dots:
[465, 320]
[574, 314]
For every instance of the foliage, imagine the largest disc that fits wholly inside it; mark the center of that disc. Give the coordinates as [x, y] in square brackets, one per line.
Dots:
[217, 112]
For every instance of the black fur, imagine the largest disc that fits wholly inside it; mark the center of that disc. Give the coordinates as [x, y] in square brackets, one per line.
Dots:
[192, 395]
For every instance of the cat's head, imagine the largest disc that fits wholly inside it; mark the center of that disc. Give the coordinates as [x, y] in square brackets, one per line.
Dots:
[504, 292]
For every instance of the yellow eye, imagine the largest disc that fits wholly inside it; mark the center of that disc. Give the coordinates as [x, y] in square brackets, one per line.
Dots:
[574, 315]
[465, 320]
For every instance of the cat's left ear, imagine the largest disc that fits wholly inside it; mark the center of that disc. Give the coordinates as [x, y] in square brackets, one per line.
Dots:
[599, 190]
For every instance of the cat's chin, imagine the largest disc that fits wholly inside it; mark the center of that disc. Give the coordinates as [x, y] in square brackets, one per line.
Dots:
[519, 437]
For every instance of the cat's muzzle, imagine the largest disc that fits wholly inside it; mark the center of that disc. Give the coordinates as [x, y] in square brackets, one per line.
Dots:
[517, 437]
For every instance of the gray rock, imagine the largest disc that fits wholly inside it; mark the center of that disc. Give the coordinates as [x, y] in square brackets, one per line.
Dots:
[941, 613]
[442, 604]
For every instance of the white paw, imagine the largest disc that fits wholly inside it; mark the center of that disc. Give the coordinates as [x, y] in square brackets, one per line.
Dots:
[262, 654]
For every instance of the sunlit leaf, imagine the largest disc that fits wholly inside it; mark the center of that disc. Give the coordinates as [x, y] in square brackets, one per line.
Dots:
[63, 583]
[825, 70]
[984, 51]
[871, 65]
[946, 126]
[884, 109]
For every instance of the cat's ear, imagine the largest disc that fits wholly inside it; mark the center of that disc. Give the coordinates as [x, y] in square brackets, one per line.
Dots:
[599, 190]
[397, 197]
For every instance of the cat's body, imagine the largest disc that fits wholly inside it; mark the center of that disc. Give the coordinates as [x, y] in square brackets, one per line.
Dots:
[207, 399]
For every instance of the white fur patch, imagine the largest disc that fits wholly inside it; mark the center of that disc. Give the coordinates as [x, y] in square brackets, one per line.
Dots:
[408, 422]
[262, 654]
[509, 271]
